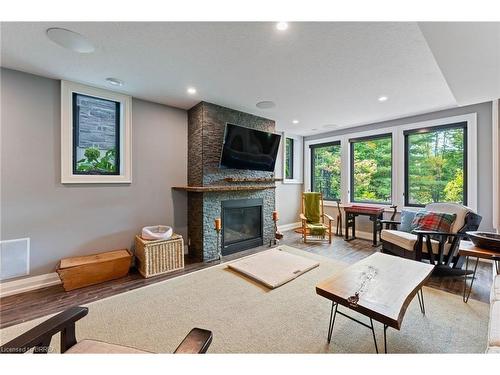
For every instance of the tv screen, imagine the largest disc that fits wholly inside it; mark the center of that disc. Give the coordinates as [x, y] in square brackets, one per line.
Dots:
[246, 148]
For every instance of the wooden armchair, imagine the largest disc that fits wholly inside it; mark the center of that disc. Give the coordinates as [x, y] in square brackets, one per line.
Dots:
[439, 248]
[38, 338]
[313, 216]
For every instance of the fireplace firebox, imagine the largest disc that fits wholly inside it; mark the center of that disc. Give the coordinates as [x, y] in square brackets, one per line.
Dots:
[242, 225]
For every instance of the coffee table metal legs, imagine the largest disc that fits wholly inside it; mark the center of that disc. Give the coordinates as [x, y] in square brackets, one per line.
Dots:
[334, 311]
[333, 314]
[467, 291]
[420, 295]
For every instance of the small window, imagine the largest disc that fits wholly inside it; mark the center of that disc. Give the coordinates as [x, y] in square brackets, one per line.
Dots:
[371, 169]
[435, 165]
[289, 159]
[96, 131]
[325, 168]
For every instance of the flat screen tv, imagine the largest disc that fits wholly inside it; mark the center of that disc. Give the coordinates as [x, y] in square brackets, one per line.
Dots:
[246, 148]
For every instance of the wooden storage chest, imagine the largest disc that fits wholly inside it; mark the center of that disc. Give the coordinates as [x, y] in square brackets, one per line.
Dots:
[157, 257]
[77, 272]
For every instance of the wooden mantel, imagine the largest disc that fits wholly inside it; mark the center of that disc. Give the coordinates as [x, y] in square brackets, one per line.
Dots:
[212, 188]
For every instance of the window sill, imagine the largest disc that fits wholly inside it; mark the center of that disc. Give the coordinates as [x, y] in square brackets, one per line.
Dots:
[292, 182]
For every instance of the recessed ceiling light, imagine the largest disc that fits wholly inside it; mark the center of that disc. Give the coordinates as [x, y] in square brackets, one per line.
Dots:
[266, 104]
[191, 90]
[295, 121]
[70, 40]
[382, 98]
[282, 26]
[114, 81]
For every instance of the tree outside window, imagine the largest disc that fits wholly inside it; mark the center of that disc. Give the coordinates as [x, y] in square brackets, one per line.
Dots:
[325, 167]
[289, 158]
[371, 169]
[435, 161]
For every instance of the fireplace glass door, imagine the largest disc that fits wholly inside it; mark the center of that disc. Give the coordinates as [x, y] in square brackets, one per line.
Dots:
[242, 225]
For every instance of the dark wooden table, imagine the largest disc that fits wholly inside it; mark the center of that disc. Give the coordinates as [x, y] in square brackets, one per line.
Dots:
[467, 249]
[385, 285]
[374, 213]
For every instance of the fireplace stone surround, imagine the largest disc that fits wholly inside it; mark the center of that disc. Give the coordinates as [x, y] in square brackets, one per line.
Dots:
[206, 124]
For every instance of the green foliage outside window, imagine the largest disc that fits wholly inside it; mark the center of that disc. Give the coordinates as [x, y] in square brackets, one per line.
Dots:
[326, 171]
[289, 158]
[95, 163]
[435, 166]
[372, 170]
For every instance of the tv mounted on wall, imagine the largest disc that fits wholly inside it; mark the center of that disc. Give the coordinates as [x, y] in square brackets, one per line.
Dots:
[246, 148]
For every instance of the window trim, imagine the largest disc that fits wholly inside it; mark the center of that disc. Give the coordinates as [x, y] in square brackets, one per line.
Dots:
[353, 141]
[432, 129]
[67, 135]
[320, 145]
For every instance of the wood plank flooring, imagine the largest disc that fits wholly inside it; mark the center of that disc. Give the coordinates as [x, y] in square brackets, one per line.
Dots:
[31, 305]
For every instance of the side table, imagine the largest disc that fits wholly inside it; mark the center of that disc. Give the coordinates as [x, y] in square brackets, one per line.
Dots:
[468, 249]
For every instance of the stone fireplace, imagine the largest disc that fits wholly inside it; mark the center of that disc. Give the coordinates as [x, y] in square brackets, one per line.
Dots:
[229, 194]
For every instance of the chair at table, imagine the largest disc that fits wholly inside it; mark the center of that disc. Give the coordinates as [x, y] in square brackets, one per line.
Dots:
[38, 338]
[438, 247]
[313, 218]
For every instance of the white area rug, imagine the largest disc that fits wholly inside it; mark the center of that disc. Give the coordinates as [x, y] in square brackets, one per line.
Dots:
[246, 317]
[274, 267]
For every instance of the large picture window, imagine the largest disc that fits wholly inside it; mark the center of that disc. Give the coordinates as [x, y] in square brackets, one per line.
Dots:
[325, 169]
[435, 165]
[371, 169]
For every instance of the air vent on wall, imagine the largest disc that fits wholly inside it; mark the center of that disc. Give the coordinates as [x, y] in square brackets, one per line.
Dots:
[14, 258]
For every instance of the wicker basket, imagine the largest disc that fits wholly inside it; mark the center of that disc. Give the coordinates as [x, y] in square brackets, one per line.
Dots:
[159, 256]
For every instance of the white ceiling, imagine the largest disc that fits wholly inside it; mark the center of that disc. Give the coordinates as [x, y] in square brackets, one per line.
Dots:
[318, 73]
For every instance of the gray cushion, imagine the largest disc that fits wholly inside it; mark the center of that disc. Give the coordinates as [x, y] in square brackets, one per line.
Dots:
[406, 221]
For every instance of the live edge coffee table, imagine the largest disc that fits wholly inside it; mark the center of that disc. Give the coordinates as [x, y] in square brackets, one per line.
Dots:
[379, 287]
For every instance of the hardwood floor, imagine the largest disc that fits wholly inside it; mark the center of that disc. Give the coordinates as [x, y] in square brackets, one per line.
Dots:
[31, 305]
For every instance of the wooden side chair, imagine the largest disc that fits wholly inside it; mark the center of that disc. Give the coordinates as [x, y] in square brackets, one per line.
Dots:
[313, 218]
[38, 338]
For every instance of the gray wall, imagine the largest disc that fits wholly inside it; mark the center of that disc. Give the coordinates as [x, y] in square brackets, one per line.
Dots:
[64, 220]
[484, 134]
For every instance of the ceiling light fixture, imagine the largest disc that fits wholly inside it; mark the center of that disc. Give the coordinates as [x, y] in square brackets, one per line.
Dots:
[70, 40]
[114, 81]
[266, 104]
[295, 121]
[281, 26]
[382, 98]
[191, 90]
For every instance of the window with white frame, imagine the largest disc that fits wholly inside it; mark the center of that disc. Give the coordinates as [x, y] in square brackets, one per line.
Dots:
[436, 164]
[292, 152]
[95, 135]
[326, 169]
[371, 169]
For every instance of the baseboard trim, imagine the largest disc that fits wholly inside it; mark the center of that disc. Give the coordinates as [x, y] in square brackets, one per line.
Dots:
[290, 226]
[27, 284]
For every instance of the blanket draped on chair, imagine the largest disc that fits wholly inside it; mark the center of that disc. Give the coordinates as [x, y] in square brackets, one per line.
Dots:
[312, 211]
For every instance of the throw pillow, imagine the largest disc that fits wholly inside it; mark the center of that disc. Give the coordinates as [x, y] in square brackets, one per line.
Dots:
[407, 217]
[434, 221]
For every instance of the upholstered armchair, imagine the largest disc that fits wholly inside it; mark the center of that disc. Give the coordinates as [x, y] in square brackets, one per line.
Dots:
[38, 338]
[438, 247]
